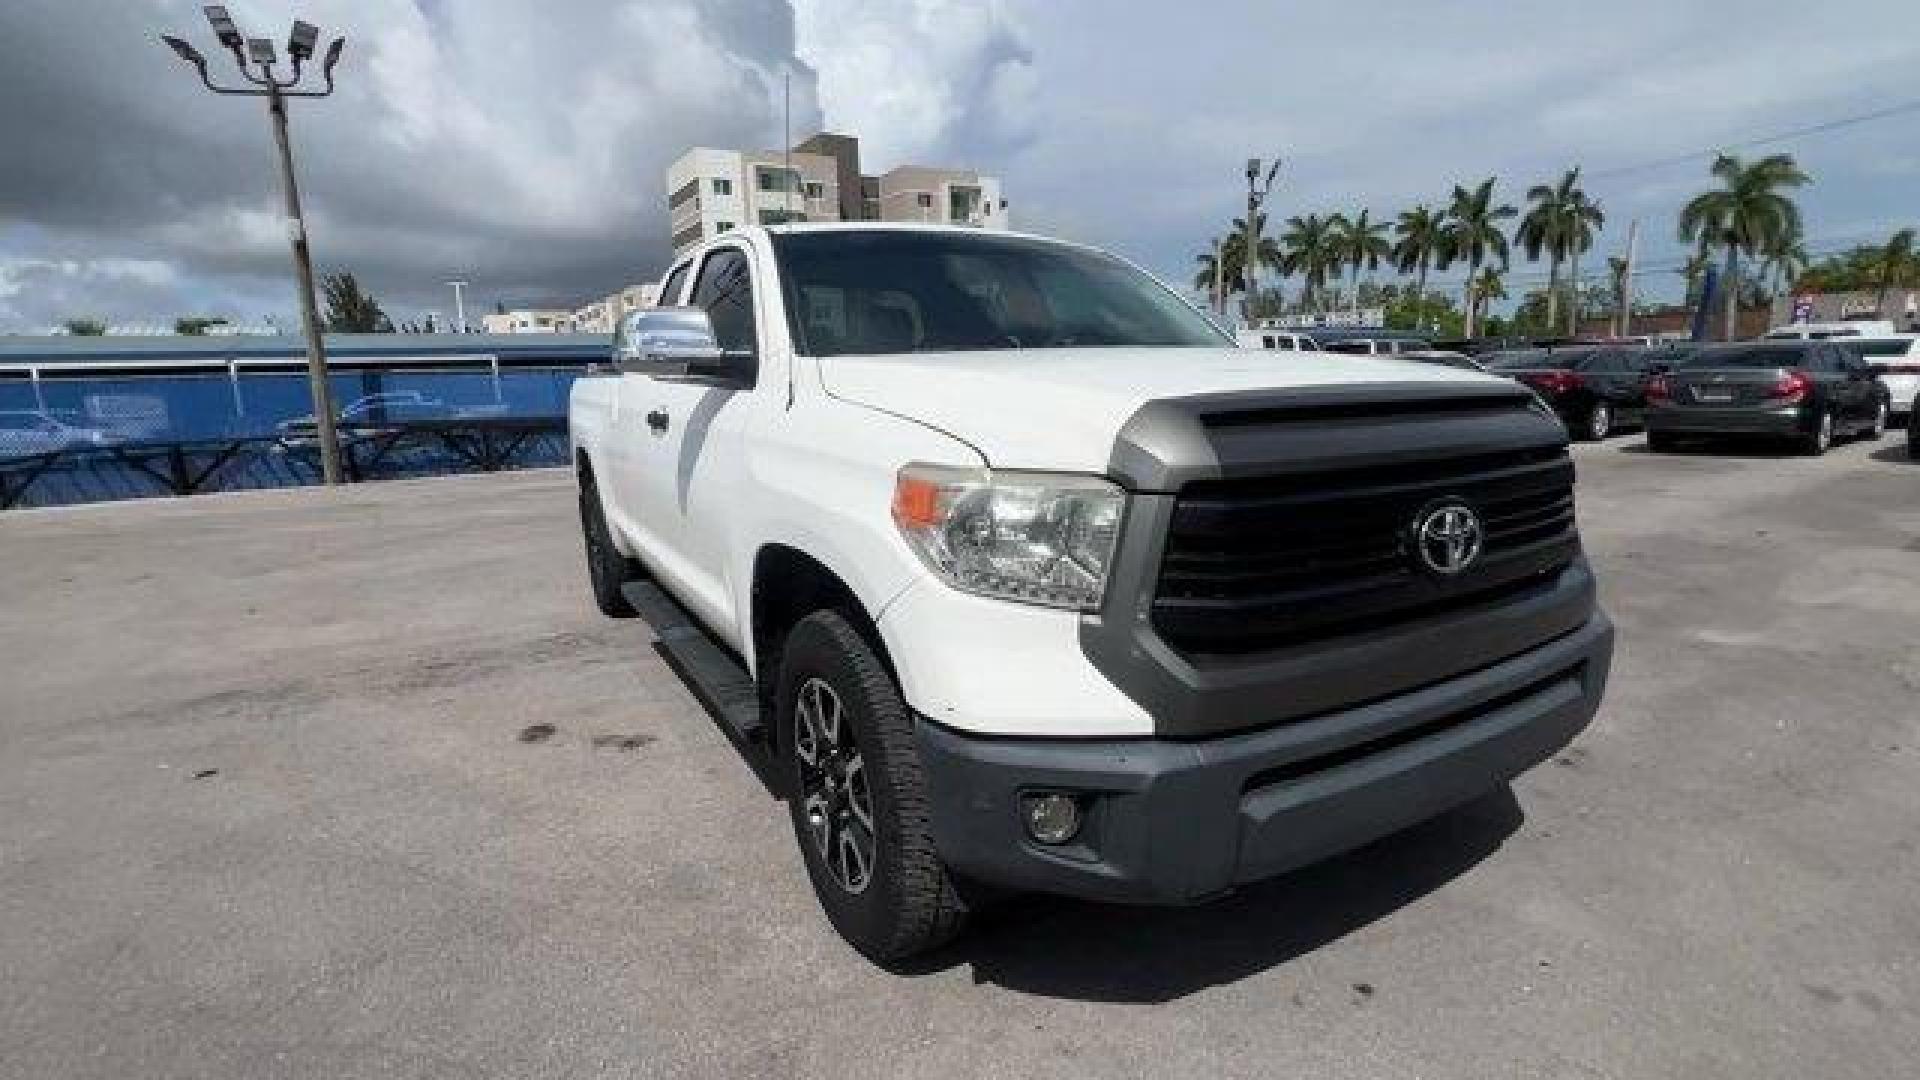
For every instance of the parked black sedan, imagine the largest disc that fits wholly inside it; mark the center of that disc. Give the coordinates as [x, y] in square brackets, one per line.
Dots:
[1809, 391]
[1595, 390]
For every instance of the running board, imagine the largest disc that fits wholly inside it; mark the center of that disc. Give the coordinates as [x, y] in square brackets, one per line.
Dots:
[717, 679]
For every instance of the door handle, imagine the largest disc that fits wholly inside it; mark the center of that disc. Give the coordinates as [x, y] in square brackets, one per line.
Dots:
[657, 420]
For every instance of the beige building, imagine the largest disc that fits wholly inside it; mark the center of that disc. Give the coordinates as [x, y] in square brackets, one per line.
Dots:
[601, 316]
[528, 321]
[712, 191]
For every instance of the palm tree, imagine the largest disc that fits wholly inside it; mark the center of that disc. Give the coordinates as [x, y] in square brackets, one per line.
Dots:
[1583, 217]
[1896, 264]
[1418, 232]
[1308, 248]
[1544, 229]
[1486, 286]
[1362, 243]
[1783, 259]
[1232, 256]
[1472, 232]
[1748, 212]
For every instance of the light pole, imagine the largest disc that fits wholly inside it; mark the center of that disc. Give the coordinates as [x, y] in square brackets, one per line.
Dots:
[257, 53]
[1250, 258]
[459, 307]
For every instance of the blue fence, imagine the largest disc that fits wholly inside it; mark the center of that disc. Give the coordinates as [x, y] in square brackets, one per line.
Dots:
[84, 439]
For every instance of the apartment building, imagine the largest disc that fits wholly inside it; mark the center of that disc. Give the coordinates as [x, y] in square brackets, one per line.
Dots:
[711, 191]
[528, 321]
[602, 315]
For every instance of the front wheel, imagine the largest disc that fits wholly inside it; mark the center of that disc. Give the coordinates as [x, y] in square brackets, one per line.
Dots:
[1599, 421]
[858, 797]
[1879, 425]
[1820, 439]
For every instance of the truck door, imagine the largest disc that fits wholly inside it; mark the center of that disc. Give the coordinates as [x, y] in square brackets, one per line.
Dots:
[634, 448]
[696, 431]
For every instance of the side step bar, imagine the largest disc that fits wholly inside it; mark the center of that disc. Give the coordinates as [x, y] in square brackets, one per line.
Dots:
[713, 674]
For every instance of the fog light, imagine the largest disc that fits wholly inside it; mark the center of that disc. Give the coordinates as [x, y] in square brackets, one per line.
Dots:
[1051, 818]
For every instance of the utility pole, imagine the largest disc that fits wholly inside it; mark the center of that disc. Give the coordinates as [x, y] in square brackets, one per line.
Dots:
[1219, 279]
[1626, 280]
[459, 307]
[1250, 258]
[258, 53]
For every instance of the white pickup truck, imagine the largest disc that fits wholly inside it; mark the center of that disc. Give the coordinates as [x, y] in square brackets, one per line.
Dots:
[1010, 571]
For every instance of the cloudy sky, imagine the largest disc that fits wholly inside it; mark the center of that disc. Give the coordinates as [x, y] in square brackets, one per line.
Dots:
[521, 145]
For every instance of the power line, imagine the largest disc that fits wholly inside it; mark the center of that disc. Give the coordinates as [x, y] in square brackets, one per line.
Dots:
[1762, 140]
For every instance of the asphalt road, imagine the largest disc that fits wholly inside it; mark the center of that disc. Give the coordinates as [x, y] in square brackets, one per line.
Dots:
[274, 801]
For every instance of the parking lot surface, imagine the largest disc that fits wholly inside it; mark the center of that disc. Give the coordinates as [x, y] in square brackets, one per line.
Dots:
[355, 783]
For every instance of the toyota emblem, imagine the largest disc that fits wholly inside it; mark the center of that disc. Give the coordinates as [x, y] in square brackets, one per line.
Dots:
[1447, 537]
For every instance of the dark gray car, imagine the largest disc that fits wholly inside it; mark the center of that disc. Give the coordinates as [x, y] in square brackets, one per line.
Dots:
[1812, 392]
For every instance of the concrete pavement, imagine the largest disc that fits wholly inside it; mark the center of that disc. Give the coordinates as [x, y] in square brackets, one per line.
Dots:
[275, 801]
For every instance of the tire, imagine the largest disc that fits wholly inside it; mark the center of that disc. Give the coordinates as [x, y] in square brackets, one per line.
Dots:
[1913, 436]
[1599, 422]
[1820, 439]
[607, 569]
[907, 903]
[1878, 426]
[1661, 442]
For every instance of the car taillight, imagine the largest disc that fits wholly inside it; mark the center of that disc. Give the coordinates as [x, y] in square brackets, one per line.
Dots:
[1556, 382]
[1903, 369]
[1792, 387]
[1659, 390]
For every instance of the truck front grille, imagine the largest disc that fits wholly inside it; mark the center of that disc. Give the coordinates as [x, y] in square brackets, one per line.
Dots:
[1267, 562]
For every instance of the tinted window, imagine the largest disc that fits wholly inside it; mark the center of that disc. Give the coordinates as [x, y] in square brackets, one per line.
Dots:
[670, 292]
[1512, 359]
[878, 292]
[725, 290]
[1880, 347]
[1363, 348]
[1749, 356]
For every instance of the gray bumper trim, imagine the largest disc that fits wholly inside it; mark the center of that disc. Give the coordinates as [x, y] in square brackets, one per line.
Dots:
[1176, 822]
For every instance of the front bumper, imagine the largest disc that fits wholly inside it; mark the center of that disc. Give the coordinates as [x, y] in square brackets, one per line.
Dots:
[1746, 420]
[1178, 822]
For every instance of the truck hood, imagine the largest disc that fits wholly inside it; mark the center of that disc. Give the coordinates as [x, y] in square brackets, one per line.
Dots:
[1061, 409]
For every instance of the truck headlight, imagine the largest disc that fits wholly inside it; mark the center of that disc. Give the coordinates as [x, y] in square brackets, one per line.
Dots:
[1039, 538]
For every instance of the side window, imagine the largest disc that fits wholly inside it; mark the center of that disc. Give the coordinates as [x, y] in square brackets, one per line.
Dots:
[670, 292]
[725, 289]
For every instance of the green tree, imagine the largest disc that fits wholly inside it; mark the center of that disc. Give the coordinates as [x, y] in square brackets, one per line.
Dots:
[85, 327]
[1486, 286]
[351, 311]
[1782, 261]
[1897, 266]
[1308, 248]
[1560, 225]
[1361, 243]
[1747, 213]
[1417, 241]
[1233, 261]
[195, 325]
[1473, 233]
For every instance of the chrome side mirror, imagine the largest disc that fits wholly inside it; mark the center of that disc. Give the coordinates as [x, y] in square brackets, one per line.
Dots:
[677, 344]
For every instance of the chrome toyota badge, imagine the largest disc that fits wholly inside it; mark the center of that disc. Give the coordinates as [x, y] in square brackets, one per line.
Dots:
[1447, 537]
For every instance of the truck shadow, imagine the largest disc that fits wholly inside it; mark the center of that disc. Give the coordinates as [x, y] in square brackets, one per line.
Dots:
[1062, 948]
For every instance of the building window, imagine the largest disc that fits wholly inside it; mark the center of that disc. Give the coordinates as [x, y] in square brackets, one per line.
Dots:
[816, 191]
[722, 186]
[775, 217]
[771, 179]
[925, 199]
[722, 226]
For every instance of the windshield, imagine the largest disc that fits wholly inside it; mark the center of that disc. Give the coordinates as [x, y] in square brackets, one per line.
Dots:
[865, 293]
[1747, 356]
